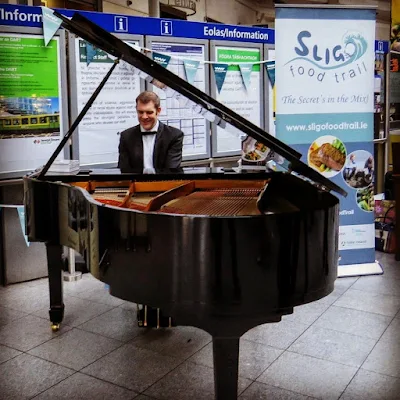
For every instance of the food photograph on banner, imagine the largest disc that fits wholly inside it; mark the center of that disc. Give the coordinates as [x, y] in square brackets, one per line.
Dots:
[238, 85]
[325, 105]
[187, 61]
[31, 119]
[112, 112]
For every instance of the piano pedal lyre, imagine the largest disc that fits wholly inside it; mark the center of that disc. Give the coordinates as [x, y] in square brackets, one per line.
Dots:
[169, 322]
[158, 318]
[145, 316]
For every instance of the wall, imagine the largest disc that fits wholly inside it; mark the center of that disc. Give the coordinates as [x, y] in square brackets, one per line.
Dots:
[245, 12]
[138, 7]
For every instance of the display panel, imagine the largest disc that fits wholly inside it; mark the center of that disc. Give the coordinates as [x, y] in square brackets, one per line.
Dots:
[114, 110]
[179, 114]
[31, 112]
[244, 99]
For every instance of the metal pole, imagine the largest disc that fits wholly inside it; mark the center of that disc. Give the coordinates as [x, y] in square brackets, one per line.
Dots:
[154, 8]
[71, 275]
[387, 112]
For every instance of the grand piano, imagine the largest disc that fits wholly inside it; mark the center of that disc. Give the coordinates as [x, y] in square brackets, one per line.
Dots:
[220, 250]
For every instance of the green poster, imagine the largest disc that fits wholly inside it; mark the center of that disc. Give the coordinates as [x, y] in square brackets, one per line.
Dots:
[29, 86]
[239, 56]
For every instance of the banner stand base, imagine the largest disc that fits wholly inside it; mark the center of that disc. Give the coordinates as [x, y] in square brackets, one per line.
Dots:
[360, 269]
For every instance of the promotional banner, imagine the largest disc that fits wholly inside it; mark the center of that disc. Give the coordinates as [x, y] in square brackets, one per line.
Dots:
[91, 52]
[220, 71]
[21, 215]
[30, 101]
[51, 23]
[191, 67]
[245, 70]
[325, 105]
[162, 59]
[270, 66]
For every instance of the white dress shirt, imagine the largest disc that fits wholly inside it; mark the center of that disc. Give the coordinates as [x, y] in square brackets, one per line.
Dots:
[148, 148]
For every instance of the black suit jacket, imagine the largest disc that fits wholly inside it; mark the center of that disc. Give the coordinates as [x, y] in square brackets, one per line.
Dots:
[167, 149]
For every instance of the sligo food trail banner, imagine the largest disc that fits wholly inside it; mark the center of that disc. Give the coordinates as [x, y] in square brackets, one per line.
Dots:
[324, 109]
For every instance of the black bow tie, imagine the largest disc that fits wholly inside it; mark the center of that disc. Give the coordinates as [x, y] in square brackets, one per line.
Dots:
[149, 132]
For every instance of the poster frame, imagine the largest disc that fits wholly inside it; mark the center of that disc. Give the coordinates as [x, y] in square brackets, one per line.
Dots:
[213, 88]
[73, 93]
[61, 34]
[186, 41]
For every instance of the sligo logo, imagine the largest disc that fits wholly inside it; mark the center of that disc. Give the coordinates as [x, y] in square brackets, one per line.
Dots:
[315, 61]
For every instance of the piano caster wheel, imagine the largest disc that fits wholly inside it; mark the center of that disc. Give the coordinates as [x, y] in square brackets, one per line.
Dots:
[55, 327]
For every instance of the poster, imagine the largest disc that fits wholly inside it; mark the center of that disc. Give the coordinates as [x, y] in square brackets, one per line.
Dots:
[113, 111]
[30, 101]
[234, 94]
[173, 112]
[325, 109]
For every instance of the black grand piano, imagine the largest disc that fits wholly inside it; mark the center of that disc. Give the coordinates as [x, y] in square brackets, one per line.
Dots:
[219, 250]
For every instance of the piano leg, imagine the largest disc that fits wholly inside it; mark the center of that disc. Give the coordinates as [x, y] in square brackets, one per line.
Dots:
[55, 270]
[226, 364]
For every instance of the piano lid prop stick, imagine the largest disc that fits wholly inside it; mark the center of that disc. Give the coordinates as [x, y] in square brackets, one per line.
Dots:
[78, 120]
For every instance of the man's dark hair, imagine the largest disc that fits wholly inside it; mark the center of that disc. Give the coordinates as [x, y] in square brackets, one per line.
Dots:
[146, 97]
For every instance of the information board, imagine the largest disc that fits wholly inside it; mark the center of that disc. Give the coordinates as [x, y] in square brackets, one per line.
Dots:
[234, 94]
[31, 117]
[176, 113]
[114, 110]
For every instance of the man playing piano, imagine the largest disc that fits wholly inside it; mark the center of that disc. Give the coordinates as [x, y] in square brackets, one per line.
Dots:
[151, 145]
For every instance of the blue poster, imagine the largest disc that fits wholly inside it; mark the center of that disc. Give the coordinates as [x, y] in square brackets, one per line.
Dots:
[324, 109]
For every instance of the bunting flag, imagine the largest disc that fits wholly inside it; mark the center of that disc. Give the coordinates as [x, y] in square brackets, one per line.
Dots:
[270, 66]
[220, 71]
[245, 70]
[51, 23]
[90, 52]
[162, 59]
[191, 67]
[21, 215]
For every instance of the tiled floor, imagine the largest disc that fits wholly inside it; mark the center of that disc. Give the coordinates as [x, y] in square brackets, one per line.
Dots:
[345, 346]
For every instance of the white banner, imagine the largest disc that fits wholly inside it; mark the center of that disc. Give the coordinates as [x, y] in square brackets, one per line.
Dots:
[324, 108]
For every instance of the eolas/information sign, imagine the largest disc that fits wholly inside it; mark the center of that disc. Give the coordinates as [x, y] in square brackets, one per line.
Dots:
[325, 105]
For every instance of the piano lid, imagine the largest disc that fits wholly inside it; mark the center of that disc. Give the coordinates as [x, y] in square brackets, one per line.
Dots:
[201, 102]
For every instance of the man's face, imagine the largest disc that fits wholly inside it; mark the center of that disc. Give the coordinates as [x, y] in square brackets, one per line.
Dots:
[147, 114]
